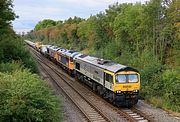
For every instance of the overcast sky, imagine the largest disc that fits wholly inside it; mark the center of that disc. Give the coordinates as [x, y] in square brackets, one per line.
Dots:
[30, 12]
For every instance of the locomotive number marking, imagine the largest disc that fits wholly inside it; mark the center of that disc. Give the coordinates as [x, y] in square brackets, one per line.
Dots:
[126, 86]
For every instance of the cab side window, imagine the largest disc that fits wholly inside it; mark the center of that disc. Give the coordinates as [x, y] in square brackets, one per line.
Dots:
[77, 66]
[109, 78]
[71, 59]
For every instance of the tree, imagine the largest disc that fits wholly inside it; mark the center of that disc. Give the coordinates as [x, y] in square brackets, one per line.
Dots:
[127, 28]
[6, 15]
[45, 24]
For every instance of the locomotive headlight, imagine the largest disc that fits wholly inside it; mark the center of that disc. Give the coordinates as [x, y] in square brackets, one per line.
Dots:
[135, 91]
[119, 91]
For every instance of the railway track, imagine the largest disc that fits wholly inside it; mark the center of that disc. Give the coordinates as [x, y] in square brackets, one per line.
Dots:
[92, 113]
[86, 102]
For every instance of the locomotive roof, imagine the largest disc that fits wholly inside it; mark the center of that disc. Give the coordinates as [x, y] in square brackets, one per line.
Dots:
[45, 45]
[105, 64]
[53, 47]
[70, 53]
[61, 50]
[49, 46]
[74, 54]
[29, 42]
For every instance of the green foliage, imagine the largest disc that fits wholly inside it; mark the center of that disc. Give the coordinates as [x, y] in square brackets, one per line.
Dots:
[151, 75]
[167, 96]
[130, 32]
[171, 79]
[73, 20]
[12, 48]
[45, 24]
[24, 97]
[144, 36]
[6, 15]
[10, 67]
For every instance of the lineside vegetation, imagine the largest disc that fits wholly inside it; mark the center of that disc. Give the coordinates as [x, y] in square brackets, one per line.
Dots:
[23, 95]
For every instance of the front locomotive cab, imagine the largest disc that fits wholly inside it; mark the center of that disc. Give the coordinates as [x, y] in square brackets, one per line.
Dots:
[126, 87]
[127, 81]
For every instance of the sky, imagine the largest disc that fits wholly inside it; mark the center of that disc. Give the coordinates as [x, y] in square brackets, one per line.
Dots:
[30, 12]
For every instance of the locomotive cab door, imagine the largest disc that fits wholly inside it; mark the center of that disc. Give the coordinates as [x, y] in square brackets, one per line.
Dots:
[108, 80]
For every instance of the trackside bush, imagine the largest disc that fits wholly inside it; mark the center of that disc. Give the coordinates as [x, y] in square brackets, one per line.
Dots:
[171, 79]
[10, 67]
[24, 97]
[12, 49]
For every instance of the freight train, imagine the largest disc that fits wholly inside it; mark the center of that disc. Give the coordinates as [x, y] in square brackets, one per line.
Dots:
[118, 83]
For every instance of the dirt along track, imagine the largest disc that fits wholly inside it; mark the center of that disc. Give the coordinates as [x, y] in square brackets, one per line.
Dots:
[93, 107]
